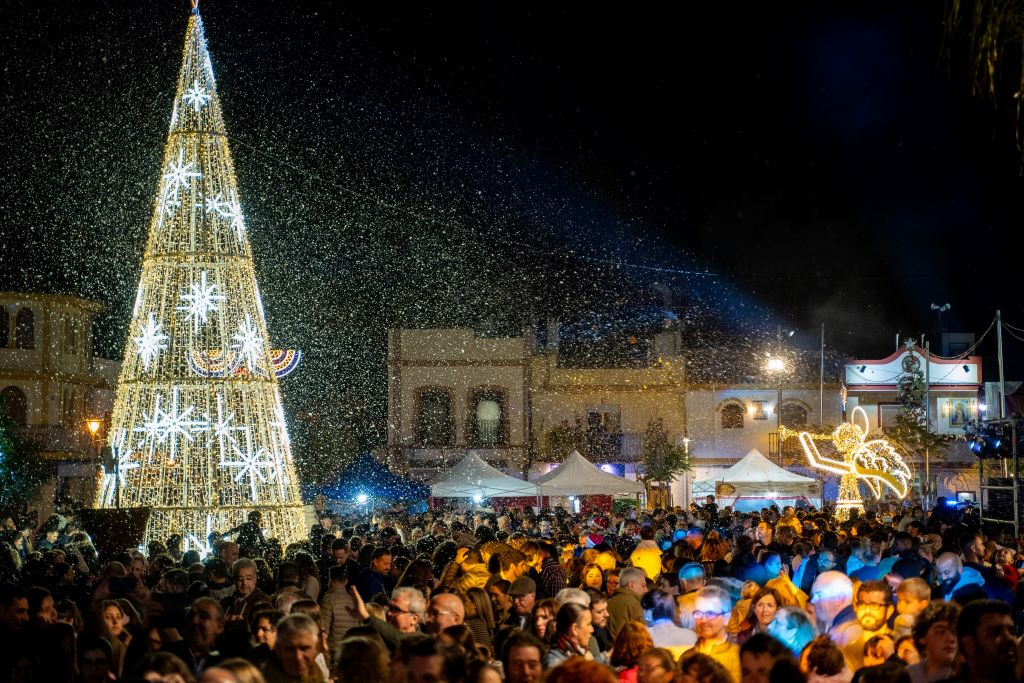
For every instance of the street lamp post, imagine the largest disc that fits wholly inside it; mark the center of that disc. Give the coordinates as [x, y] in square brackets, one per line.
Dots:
[686, 474]
[93, 425]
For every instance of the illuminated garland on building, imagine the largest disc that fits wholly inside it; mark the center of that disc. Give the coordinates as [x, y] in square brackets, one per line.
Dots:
[198, 431]
[875, 462]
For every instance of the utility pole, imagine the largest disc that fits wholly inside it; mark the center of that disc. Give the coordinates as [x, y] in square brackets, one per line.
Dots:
[778, 403]
[1002, 380]
[821, 379]
[927, 423]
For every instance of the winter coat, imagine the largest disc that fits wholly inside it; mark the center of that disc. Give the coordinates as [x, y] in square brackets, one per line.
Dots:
[335, 619]
[647, 556]
[623, 606]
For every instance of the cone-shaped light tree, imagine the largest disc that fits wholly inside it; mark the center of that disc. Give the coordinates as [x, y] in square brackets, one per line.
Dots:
[198, 432]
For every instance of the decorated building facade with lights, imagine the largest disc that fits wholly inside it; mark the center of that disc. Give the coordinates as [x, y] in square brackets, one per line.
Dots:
[198, 432]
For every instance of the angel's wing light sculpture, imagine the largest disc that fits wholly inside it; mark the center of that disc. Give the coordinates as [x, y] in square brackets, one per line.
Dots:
[857, 459]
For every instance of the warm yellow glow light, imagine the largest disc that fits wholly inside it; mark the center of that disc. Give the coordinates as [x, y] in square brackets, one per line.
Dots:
[93, 425]
[776, 365]
[872, 461]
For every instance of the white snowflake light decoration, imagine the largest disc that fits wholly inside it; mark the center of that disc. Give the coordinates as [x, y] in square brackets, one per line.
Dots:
[248, 343]
[178, 176]
[237, 222]
[251, 463]
[151, 341]
[167, 426]
[196, 96]
[201, 301]
[223, 427]
[174, 424]
[219, 205]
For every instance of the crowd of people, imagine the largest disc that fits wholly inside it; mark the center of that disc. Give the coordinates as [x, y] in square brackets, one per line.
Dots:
[703, 595]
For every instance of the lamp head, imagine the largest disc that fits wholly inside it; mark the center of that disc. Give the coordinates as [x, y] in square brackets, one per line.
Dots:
[93, 425]
[776, 365]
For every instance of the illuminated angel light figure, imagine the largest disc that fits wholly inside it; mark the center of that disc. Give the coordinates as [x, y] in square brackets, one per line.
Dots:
[872, 461]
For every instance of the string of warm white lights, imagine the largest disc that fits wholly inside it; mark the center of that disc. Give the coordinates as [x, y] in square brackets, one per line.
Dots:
[875, 462]
[198, 446]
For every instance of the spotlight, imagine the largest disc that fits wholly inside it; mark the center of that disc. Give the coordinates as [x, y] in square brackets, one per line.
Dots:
[362, 498]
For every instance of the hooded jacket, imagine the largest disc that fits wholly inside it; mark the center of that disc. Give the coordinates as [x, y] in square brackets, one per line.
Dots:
[968, 577]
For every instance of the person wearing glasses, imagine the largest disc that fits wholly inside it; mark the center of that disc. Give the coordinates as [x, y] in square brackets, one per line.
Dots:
[404, 614]
[710, 615]
[444, 610]
[832, 599]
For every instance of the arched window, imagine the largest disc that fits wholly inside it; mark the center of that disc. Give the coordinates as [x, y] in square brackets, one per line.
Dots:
[793, 415]
[732, 416]
[488, 421]
[435, 418]
[5, 324]
[25, 329]
[14, 405]
[488, 417]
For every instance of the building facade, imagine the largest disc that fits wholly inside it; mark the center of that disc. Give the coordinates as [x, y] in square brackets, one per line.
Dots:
[507, 399]
[954, 397]
[51, 383]
[726, 421]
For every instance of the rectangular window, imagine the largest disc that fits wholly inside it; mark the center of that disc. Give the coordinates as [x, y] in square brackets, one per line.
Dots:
[887, 413]
[435, 419]
[760, 411]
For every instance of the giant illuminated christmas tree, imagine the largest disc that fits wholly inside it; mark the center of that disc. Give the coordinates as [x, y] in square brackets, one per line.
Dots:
[198, 432]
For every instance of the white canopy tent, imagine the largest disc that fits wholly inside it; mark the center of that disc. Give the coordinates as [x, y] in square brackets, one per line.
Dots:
[577, 476]
[755, 482]
[472, 477]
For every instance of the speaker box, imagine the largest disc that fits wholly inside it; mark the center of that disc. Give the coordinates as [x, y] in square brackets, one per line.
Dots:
[115, 531]
[1000, 502]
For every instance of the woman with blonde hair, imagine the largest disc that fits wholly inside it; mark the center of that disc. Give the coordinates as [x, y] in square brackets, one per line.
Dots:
[592, 577]
[479, 615]
[239, 670]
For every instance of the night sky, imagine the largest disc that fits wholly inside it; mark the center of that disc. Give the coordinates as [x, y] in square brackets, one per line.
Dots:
[483, 165]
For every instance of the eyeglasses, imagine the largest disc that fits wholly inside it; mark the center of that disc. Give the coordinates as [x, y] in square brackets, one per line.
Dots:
[395, 609]
[708, 615]
[434, 613]
[873, 605]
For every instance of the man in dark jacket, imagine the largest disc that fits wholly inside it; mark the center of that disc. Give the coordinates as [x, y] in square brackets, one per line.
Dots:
[624, 606]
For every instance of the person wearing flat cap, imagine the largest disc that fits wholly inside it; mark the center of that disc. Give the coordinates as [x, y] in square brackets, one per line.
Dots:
[523, 594]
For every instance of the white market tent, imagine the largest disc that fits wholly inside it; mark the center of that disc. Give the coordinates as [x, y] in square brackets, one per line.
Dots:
[755, 482]
[577, 476]
[472, 477]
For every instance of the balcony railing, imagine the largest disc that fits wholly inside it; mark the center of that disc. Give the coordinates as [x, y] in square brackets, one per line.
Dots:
[792, 453]
[59, 439]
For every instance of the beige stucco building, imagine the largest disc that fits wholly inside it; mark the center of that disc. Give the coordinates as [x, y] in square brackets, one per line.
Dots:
[451, 391]
[51, 383]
